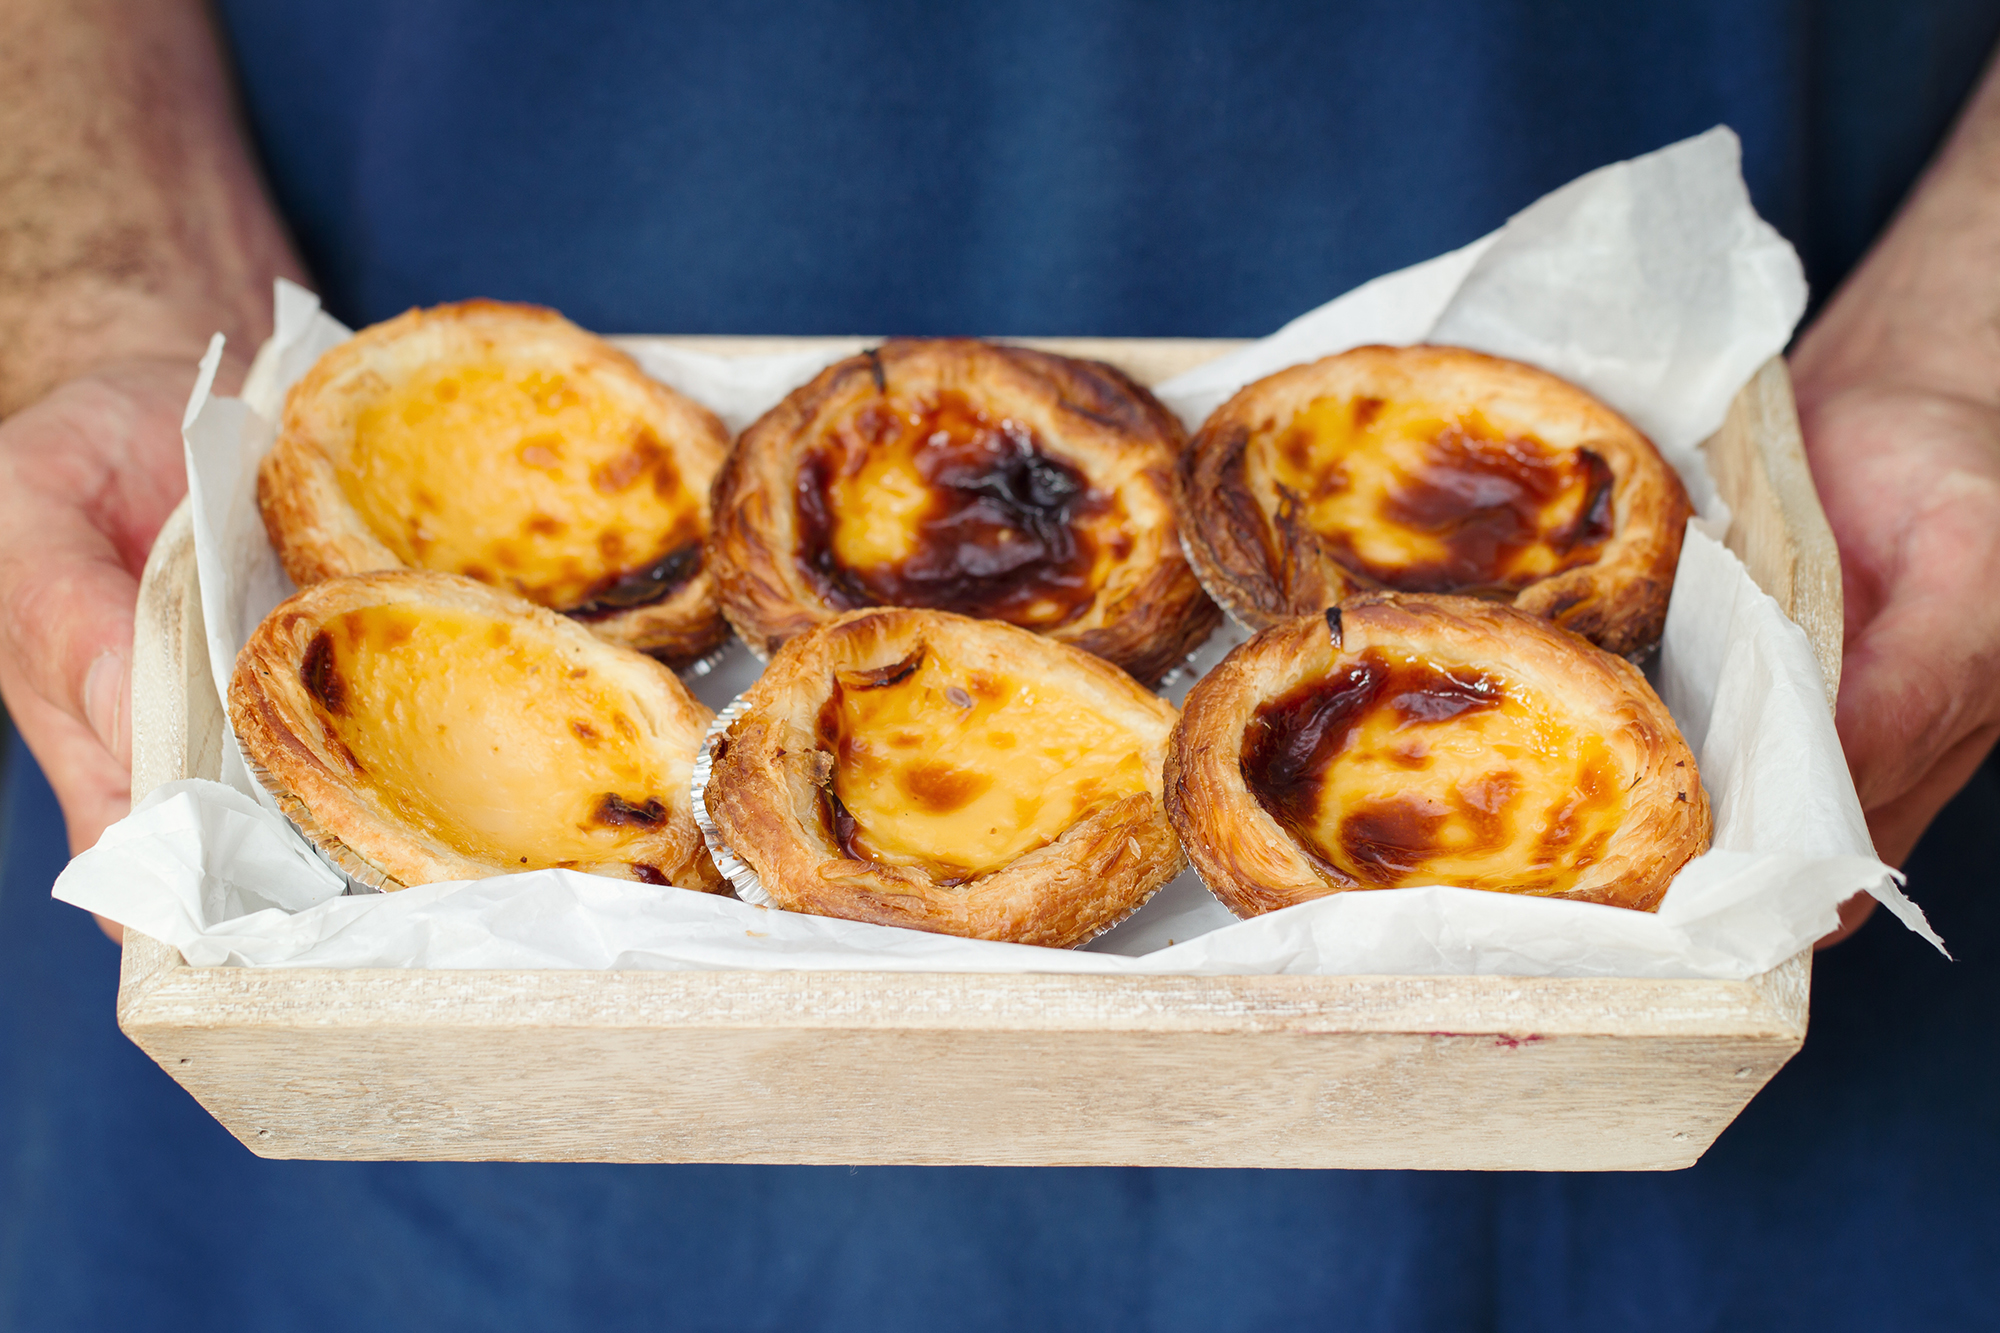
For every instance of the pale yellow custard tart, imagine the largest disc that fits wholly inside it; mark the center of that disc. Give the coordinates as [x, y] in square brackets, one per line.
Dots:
[422, 727]
[1435, 470]
[922, 769]
[957, 475]
[503, 443]
[1402, 740]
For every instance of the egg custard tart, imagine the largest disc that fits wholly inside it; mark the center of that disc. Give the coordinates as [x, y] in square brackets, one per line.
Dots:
[503, 443]
[963, 476]
[1436, 470]
[922, 769]
[1404, 740]
[421, 727]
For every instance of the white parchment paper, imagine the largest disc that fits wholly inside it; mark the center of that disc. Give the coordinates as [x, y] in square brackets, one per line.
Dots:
[1651, 282]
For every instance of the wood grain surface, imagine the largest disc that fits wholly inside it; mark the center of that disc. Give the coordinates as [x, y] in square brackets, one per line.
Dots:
[1499, 1073]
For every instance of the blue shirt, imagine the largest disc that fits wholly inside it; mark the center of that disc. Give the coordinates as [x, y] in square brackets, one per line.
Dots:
[1035, 166]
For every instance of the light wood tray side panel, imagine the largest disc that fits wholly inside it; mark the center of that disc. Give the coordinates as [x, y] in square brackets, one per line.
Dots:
[936, 1096]
[177, 720]
[1777, 527]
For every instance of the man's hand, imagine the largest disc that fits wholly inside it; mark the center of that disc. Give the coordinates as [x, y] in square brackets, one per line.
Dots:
[87, 476]
[1911, 483]
[132, 226]
[1899, 397]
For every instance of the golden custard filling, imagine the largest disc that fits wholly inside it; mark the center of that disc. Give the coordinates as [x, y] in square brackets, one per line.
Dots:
[940, 503]
[961, 772]
[486, 738]
[1397, 770]
[1421, 500]
[522, 475]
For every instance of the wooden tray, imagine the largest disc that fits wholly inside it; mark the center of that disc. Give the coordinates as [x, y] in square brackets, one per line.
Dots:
[1431, 1072]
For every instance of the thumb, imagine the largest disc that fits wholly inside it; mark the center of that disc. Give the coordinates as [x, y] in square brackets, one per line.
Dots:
[66, 621]
[65, 673]
[70, 546]
[67, 595]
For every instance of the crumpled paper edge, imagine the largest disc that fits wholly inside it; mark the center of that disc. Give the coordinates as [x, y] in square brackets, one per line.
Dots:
[532, 922]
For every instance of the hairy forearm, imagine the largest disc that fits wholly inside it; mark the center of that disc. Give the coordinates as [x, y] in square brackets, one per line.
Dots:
[1923, 309]
[133, 222]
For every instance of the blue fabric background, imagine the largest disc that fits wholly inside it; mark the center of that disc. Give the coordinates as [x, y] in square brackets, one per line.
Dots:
[1026, 167]
[1037, 166]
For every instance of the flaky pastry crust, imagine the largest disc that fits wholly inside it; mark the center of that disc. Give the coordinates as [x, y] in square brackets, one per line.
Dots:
[1144, 609]
[358, 763]
[772, 789]
[1250, 534]
[1579, 700]
[643, 584]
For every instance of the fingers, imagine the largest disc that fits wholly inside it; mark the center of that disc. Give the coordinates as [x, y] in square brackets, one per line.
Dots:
[1910, 481]
[67, 683]
[1923, 674]
[86, 478]
[1899, 823]
[66, 595]
[66, 628]
[93, 789]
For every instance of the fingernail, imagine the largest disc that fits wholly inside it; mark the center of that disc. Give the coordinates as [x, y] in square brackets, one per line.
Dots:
[104, 701]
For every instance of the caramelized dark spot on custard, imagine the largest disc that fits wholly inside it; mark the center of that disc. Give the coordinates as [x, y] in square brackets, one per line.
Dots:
[1485, 499]
[648, 874]
[841, 826]
[1592, 524]
[1001, 535]
[1596, 790]
[1291, 742]
[875, 678]
[1386, 841]
[644, 455]
[640, 587]
[617, 812]
[1393, 837]
[319, 675]
[937, 787]
[940, 788]
[845, 832]
[832, 736]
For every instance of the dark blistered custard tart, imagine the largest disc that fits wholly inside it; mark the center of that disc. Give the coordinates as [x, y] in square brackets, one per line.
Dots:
[1437, 470]
[422, 727]
[503, 443]
[962, 476]
[1405, 740]
[922, 769]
